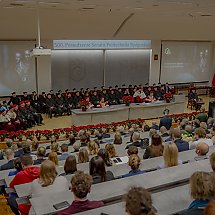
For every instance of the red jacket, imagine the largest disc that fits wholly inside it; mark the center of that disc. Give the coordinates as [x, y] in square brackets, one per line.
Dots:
[25, 176]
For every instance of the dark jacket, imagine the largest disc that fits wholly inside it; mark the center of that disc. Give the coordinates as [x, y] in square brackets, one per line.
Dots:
[19, 153]
[166, 122]
[182, 145]
[97, 178]
[137, 144]
[8, 165]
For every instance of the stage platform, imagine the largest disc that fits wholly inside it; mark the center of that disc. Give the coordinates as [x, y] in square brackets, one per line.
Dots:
[117, 113]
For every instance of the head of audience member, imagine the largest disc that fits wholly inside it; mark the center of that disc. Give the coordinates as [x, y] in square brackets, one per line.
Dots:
[76, 146]
[97, 167]
[202, 149]
[9, 143]
[163, 130]
[26, 148]
[189, 128]
[93, 148]
[19, 145]
[176, 133]
[117, 138]
[9, 154]
[64, 148]
[54, 147]
[202, 186]
[41, 152]
[196, 123]
[134, 162]
[105, 156]
[84, 139]
[210, 209]
[17, 164]
[81, 132]
[48, 173]
[132, 150]
[210, 121]
[70, 166]
[121, 129]
[146, 128]
[53, 157]
[170, 154]
[203, 125]
[131, 131]
[53, 140]
[156, 140]
[34, 145]
[139, 202]
[83, 156]
[135, 137]
[14, 147]
[81, 185]
[26, 161]
[212, 161]
[199, 133]
[71, 140]
[111, 150]
[152, 131]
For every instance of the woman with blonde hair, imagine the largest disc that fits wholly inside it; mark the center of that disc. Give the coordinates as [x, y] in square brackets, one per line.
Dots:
[170, 156]
[48, 181]
[134, 163]
[201, 190]
[117, 138]
[83, 156]
[53, 157]
[111, 150]
[93, 148]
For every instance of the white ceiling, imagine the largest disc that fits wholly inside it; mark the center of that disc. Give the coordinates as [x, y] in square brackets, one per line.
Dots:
[108, 19]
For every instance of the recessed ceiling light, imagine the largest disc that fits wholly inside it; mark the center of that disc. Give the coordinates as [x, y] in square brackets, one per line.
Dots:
[206, 15]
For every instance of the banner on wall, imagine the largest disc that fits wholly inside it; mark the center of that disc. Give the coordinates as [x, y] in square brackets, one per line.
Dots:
[101, 44]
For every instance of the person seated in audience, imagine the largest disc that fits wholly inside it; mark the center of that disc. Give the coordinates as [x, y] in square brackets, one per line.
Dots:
[28, 174]
[187, 134]
[105, 156]
[84, 139]
[134, 163]
[93, 148]
[102, 103]
[51, 106]
[156, 147]
[166, 121]
[14, 99]
[95, 99]
[177, 139]
[170, 156]
[60, 104]
[53, 157]
[76, 146]
[55, 148]
[139, 202]
[117, 138]
[158, 94]
[6, 122]
[41, 155]
[65, 154]
[204, 126]
[164, 132]
[17, 165]
[202, 116]
[154, 126]
[34, 146]
[110, 150]
[9, 143]
[81, 186]
[83, 156]
[19, 152]
[112, 98]
[132, 150]
[146, 128]
[201, 150]
[210, 122]
[98, 172]
[70, 166]
[135, 140]
[71, 140]
[202, 191]
[98, 140]
[48, 182]
[210, 209]
[139, 96]
[150, 98]
[200, 136]
[10, 159]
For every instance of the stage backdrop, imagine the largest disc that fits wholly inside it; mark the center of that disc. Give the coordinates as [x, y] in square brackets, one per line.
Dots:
[17, 68]
[90, 68]
[184, 62]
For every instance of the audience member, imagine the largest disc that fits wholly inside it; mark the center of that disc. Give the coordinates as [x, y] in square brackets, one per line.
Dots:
[111, 150]
[70, 166]
[170, 155]
[201, 150]
[53, 157]
[202, 116]
[105, 156]
[139, 202]
[132, 150]
[98, 172]
[154, 126]
[156, 147]
[177, 139]
[81, 185]
[65, 154]
[48, 182]
[135, 140]
[71, 140]
[76, 146]
[83, 156]
[41, 155]
[163, 131]
[19, 152]
[93, 148]
[134, 163]
[9, 143]
[17, 165]
[10, 158]
[117, 138]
